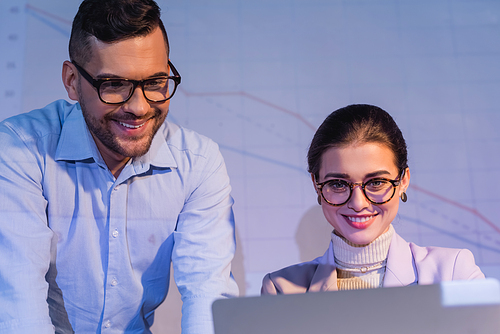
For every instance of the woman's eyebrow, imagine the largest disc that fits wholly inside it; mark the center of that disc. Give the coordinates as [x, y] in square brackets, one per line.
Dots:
[378, 173]
[337, 175]
[347, 176]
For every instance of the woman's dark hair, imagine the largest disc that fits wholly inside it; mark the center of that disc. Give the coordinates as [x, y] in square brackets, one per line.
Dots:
[357, 123]
[111, 21]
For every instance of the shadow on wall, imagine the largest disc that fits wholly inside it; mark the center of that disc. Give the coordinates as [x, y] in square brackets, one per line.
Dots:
[313, 234]
[168, 315]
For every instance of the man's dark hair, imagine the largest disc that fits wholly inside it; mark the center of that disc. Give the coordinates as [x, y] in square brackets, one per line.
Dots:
[358, 123]
[111, 21]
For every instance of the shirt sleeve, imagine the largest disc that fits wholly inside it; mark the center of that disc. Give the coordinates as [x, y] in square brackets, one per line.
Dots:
[25, 239]
[204, 242]
[268, 287]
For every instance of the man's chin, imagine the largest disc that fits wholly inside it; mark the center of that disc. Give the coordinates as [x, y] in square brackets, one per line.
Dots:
[130, 147]
[134, 151]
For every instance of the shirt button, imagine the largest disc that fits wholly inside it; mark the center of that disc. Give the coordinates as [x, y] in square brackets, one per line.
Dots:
[114, 282]
[115, 233]
[107, 324]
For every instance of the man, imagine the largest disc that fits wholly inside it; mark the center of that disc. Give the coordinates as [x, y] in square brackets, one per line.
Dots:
[97, 198]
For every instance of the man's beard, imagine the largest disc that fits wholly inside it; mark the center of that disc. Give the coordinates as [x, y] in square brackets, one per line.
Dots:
[100, 129]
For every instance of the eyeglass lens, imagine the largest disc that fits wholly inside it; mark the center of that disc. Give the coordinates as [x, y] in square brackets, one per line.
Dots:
[117, 91]
[377, 191]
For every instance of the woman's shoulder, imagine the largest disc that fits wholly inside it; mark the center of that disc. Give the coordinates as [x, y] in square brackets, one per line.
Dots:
[446, 263]
[430, 253]
[434, 253]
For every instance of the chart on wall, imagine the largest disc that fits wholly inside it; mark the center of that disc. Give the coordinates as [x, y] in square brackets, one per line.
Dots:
[258, 77]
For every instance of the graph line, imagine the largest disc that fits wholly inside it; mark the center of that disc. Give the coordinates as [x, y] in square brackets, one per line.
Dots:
[453, 235]
[47, 14]
[43, 17]
[254, 98]
[260, 157]
[459, 205]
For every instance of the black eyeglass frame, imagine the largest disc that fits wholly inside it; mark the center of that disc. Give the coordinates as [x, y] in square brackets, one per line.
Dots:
[96, 83]
[396, 182]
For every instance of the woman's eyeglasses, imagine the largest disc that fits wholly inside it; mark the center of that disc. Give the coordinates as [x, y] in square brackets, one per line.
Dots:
[337, 192]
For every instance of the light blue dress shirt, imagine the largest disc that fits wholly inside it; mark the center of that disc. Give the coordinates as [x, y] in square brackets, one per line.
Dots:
[83, 252]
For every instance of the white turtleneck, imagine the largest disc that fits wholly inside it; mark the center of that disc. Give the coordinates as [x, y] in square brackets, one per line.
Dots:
[361, 267]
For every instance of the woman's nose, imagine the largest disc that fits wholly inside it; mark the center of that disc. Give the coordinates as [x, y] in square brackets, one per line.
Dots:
[358, 200]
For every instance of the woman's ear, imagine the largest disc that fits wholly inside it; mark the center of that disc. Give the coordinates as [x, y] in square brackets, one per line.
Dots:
[314, 182]
[316, 188]
[69, 79]
[405, 181]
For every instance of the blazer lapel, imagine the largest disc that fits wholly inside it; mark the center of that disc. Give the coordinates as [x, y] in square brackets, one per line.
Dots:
[401, 270]
[325, 276]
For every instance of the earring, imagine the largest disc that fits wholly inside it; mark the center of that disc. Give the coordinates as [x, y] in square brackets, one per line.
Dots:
[404, 198]
[319, 199]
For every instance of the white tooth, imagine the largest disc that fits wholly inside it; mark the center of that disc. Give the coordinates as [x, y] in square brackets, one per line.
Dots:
[131, 126]
[359, 219]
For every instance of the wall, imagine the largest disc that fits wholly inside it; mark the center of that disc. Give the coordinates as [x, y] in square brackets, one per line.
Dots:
[259, 76]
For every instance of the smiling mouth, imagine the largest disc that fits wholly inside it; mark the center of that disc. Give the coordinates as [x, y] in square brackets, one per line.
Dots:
[359, 219]
[131, 126]
[360, 222]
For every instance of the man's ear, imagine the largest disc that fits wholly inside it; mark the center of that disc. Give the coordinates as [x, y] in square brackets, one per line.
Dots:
[69, 78]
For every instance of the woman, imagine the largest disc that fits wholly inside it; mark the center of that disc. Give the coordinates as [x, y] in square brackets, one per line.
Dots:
[358, 165]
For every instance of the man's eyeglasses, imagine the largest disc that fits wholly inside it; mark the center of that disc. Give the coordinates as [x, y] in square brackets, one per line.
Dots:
[116, 91]
[337, 192]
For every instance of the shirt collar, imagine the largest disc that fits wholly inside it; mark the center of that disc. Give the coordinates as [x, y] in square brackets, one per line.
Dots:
[76, 144]
[159, 154]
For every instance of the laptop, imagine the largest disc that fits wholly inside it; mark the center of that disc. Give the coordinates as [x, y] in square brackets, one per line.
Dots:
[453, 307]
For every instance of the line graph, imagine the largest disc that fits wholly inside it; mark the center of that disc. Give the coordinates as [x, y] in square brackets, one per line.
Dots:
[272, 105]
[256, 144]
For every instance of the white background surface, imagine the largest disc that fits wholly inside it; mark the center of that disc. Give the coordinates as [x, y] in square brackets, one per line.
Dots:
[259, 76]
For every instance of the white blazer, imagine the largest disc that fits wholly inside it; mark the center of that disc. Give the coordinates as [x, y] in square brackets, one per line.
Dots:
[407, 264]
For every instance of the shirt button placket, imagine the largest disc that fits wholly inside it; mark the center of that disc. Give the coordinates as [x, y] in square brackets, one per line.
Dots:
[116, 223]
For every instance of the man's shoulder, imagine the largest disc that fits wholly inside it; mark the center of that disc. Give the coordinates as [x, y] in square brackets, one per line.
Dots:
[40, 122]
